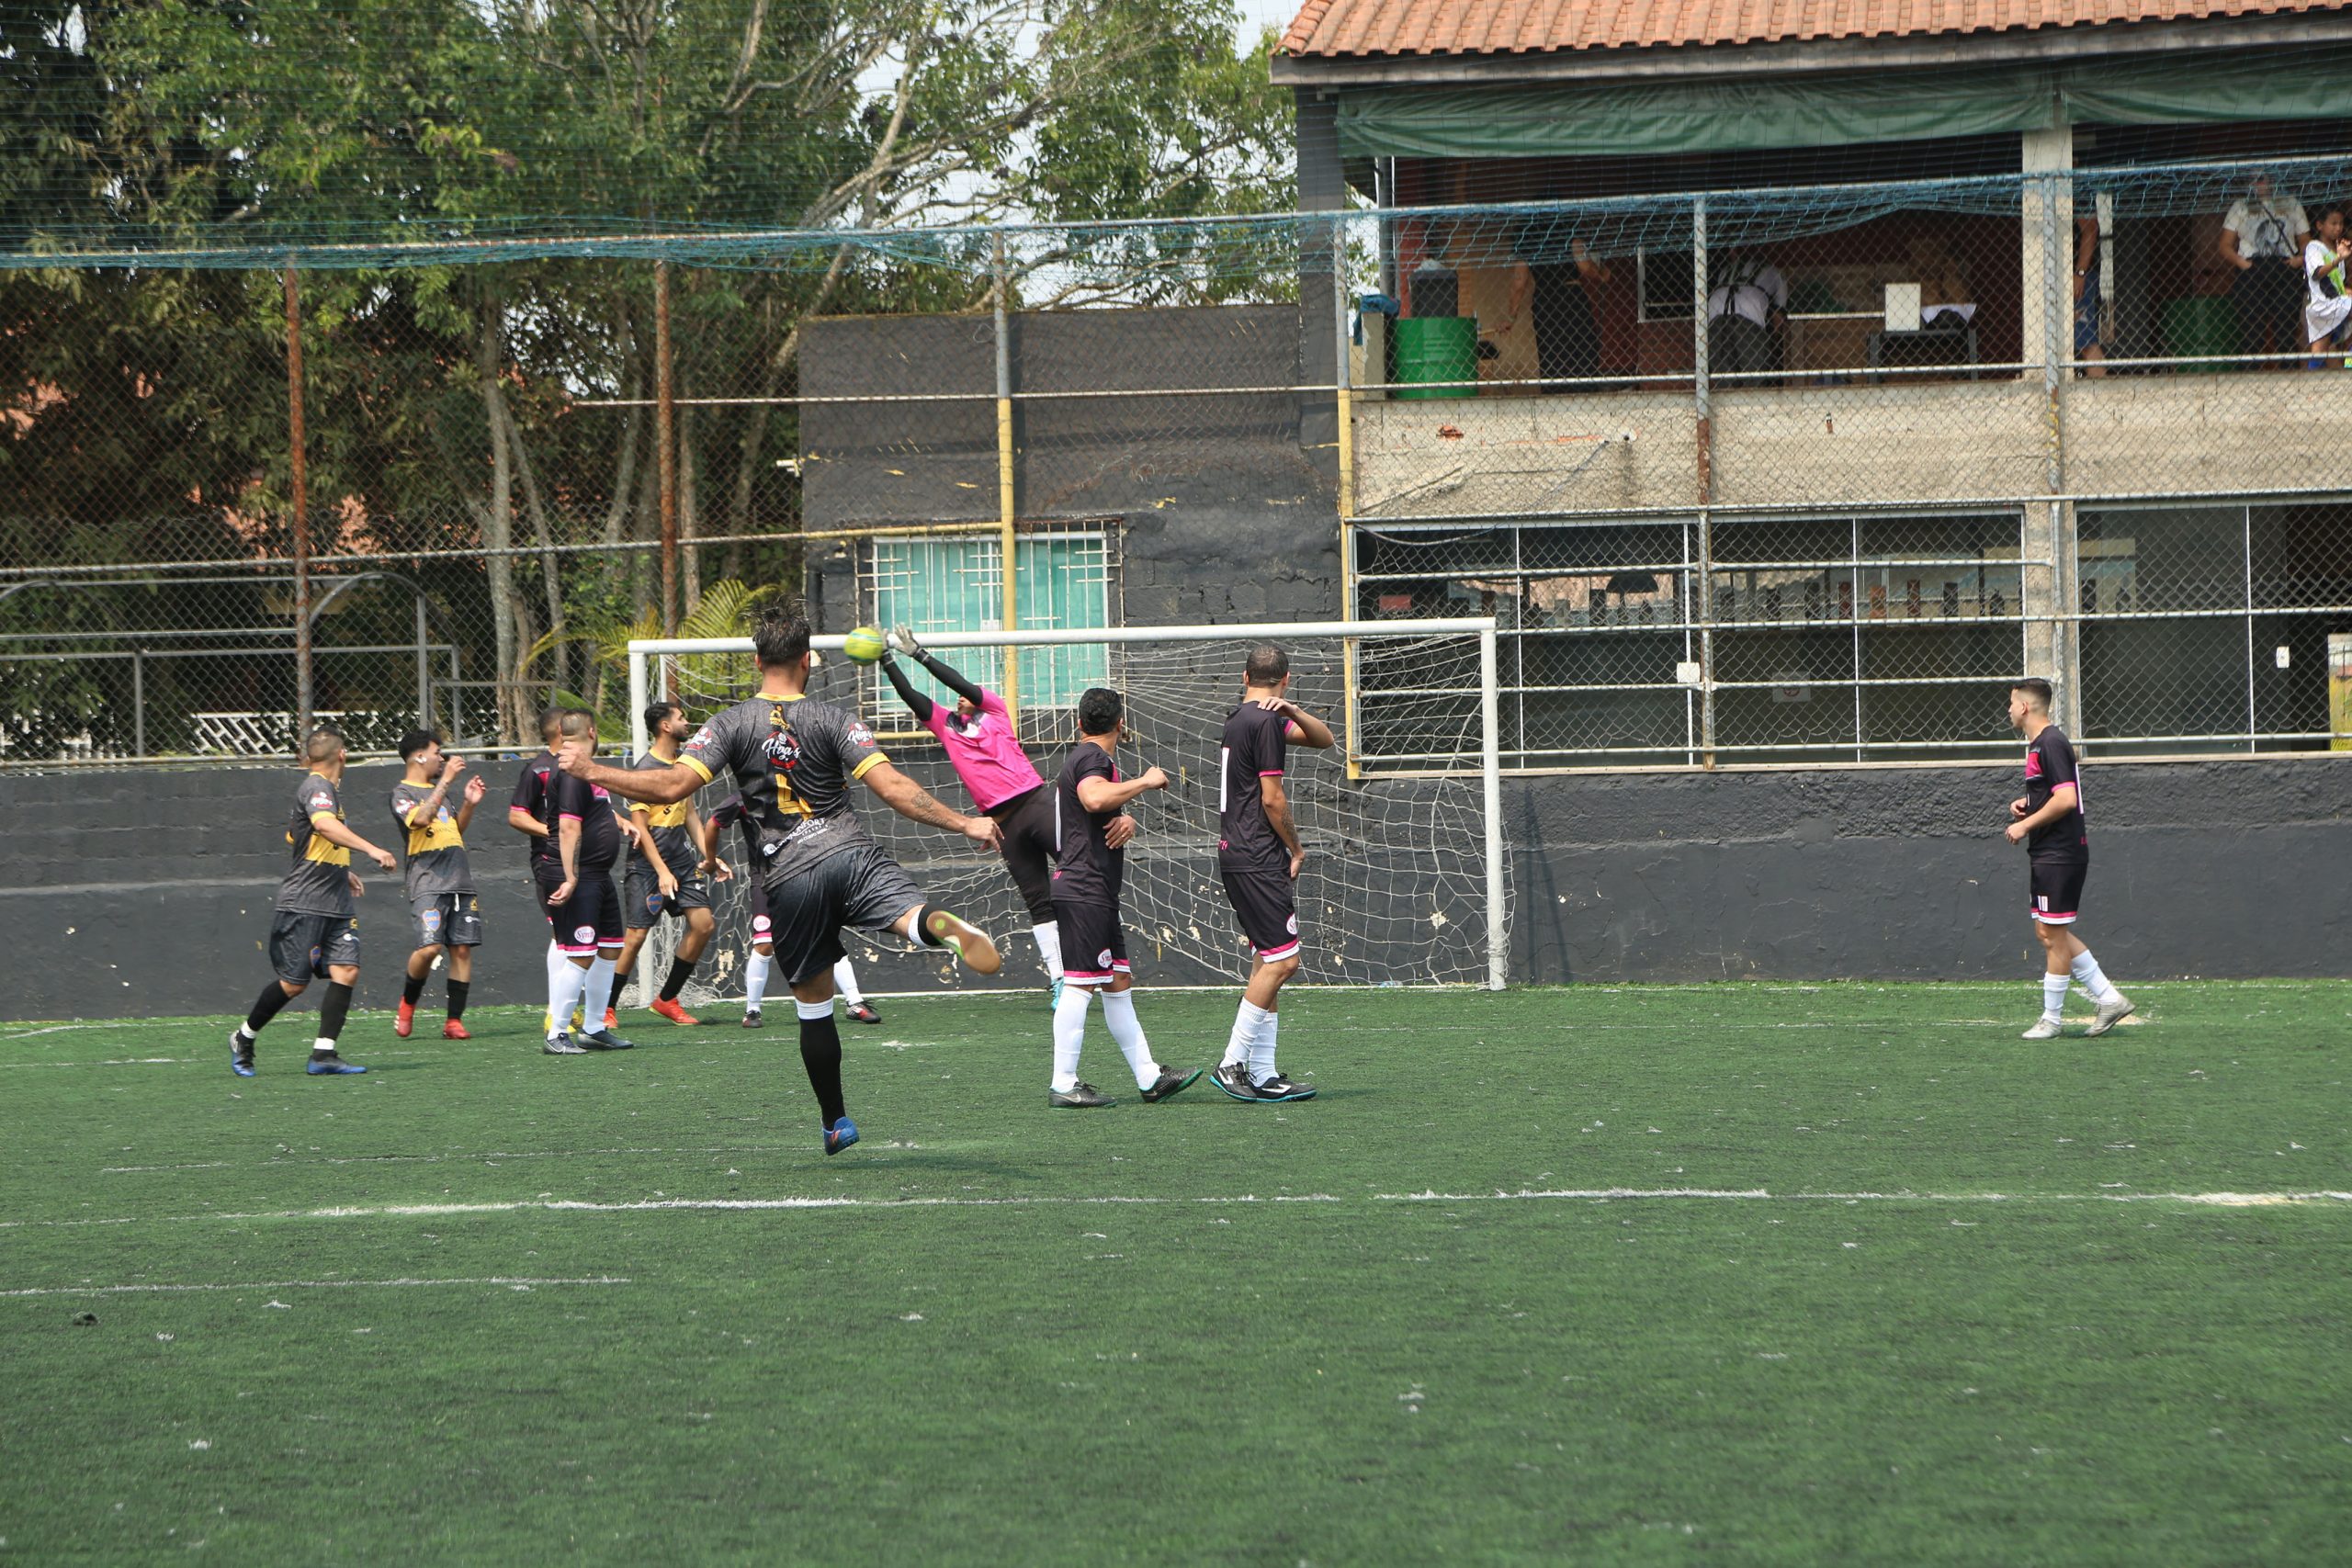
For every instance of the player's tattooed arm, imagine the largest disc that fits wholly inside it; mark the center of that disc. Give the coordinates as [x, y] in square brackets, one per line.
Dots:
[336, 832]
[911, 801]
[1277, 803]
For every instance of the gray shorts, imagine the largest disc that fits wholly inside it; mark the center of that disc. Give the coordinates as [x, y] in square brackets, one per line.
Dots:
[447, 919]
[302, 946]
[861, 887]
[641, 905]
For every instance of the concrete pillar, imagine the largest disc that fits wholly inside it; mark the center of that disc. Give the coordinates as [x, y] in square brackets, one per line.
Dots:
[2046, 238]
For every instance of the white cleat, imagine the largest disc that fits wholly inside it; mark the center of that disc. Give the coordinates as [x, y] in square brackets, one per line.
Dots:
[2110, 1015]
[2043, 1029]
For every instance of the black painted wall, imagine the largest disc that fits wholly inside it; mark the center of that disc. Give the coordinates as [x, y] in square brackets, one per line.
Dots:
[148, 894]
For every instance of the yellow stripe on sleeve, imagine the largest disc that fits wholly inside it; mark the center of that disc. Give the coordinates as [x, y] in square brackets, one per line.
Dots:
[872, 760]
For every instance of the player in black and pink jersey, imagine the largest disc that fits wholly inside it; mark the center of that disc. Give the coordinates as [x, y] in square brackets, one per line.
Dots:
[1259, 855]
[2048, 820]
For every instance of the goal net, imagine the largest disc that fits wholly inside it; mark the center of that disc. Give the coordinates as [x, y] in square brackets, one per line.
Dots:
[1404, 881]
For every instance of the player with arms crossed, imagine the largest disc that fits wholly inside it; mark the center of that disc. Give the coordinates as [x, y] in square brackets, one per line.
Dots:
[2048, 820]
[985, 751]
[1259, 856]
[731, 813]
[313, 929]
[1090, 820]
[795, 759]
[440, 877]
[670, 880]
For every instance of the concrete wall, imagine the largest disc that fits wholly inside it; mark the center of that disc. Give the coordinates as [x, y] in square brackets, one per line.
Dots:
[148, 894]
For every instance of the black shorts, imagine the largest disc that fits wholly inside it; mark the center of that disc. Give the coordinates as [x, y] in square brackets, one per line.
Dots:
[1266, 903]
[447, 919]
[1029, 848]
[1094, 944]
[2057, 888]
[861, 887]
[301, 947]
[587, 920]
[641, 905]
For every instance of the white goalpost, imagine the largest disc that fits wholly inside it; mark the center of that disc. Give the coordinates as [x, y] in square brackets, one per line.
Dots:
[1406, 883]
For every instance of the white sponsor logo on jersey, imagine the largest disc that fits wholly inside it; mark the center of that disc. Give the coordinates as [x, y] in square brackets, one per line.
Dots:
[1104, 958]
[585, 933]
[1290, 925]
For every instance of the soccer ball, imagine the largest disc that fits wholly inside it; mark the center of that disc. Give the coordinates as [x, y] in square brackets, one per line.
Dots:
[864, 645]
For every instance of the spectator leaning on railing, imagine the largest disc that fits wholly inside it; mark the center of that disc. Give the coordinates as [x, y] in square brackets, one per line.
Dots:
[2262, 237]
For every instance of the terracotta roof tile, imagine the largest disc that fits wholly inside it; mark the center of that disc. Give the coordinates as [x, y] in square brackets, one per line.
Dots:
[1334, 28]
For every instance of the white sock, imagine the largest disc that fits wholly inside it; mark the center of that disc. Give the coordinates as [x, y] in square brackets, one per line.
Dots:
[1049, 947]
[755, 981]
[2053, 997]
[2094, 979]
[599, 993]
[1069, 1033]
[564, 992]
[1261, 1049]
[557, 965]
[845, 982]
[1119, 1012]
[323, 1046]
[1246, 1023]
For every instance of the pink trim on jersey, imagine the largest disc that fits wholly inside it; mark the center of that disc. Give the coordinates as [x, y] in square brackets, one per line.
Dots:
[2052, 917]
[1269, 772]
[569, 816]
[989, 761]
[1088, 976]
[1271, 953]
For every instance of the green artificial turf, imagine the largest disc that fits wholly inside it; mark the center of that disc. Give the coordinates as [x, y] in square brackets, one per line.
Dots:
[1876, 1296]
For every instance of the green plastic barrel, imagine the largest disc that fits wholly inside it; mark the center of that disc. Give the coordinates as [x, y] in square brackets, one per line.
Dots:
[1436, 349]
[2201, 325]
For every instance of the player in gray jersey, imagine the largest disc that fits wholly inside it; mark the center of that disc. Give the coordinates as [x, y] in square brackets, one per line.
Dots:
[432, 810]
[670, 881]
[313, 929]
[795, 760]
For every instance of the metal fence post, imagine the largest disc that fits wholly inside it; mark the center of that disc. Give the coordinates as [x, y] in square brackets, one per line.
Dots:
[665, 453]
[139, 701]
[1702, 405]
[1343, 410]
[1009, 543]
[303, 707]
[424, 669]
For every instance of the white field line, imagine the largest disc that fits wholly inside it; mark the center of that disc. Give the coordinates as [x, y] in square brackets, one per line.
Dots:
[563, 1205]
[1613, 1194]
[505, 1281]
[1578, 1195]
[487, 1156]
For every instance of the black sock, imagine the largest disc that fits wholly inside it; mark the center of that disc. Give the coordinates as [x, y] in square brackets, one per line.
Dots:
[458, 989]
[332, 1010]
[679, 969]
[620, 980]
[265, 1007]
[922, 928]
[414, 987]
[820, 1052]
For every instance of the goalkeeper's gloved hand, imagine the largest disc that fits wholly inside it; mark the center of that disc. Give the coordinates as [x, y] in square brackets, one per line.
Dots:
[905, 637]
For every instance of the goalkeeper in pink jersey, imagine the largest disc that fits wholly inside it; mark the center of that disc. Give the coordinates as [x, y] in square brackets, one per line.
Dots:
[986, 753]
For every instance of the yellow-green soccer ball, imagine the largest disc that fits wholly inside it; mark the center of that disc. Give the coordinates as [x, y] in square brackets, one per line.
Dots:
[864, 645]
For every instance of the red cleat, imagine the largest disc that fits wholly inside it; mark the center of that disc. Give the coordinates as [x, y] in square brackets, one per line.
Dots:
[453, 1030]
[404, 1019]
[612, 1019]
[668, 1008]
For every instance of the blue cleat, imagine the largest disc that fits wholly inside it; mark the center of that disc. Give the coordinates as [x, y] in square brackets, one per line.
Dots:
[241, 1054]
[1055, 1005]
[840, 1136]
[326, 1063]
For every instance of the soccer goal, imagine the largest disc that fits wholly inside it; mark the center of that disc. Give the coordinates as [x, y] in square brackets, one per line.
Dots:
[1405, 884]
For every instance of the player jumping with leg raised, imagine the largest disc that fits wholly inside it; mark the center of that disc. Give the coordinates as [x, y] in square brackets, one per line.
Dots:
[313, 929]
[794, 758]
[1259, 856]
[1090, 813]
[981, 746]
[440, 878]
[2048, 820]
[755, 967]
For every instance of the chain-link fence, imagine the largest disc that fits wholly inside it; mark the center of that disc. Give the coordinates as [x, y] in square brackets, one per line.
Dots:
[1775, 474]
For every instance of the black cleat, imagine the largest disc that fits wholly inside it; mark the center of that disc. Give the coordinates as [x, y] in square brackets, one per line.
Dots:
[860, 1013]
[1169, 1084]
[1279, 1087]
[1234, 1078]
[1082, 1096]
[605, 1040]
[561, 1043]
[240, 1056]
[752, 1018]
